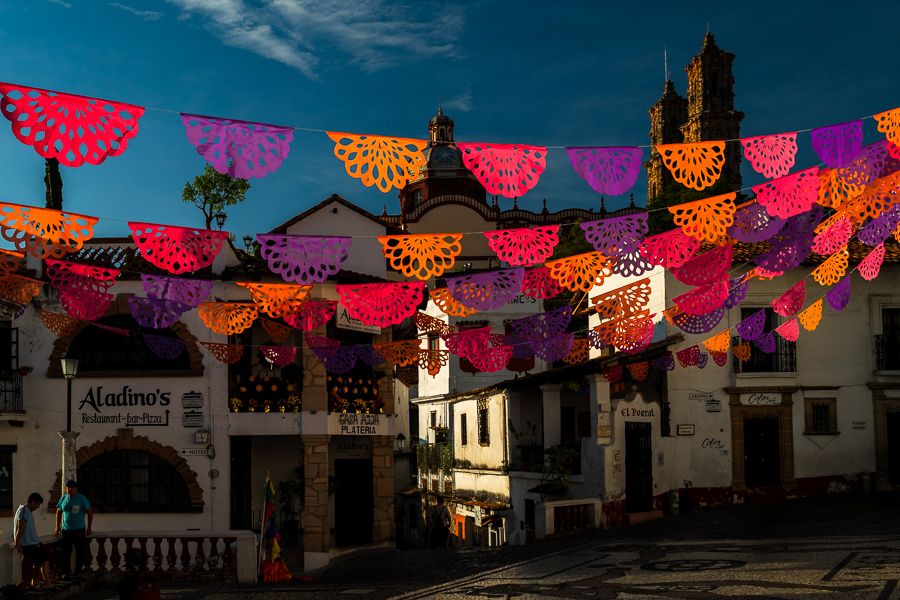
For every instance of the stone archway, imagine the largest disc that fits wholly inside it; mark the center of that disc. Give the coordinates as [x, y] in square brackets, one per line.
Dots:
[126, 440]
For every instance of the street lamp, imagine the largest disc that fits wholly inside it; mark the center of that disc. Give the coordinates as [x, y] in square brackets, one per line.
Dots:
[401, 443]
[248, 242]
[69, 370]
[220, 219]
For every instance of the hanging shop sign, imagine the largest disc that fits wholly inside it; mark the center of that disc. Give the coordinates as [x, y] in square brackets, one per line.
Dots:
[343, 320]
[761, 399]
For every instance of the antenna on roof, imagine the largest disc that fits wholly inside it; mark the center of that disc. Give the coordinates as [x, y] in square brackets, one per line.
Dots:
[666, 61]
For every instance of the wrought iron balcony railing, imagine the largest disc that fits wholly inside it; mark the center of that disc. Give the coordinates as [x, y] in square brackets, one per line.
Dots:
[887, 352]
[782, 360]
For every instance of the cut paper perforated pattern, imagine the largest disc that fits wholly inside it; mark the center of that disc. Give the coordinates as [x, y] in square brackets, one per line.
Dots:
[524, 247]
[84, 303]
[794, 243]
[521, 348]
[639, 370]
[579, 353]
[666, 362]
[227, 353]
[616, 236]
[632, 264]
[790, 302]
[277, 332]
[830, 271]
[369, 355]
[156, 314]
[790, 195]
[279, 355]
[421, 256]
[595, 340]
[771, 155]
[336, 359]
[238, 148]
[73, 129]
[838, 145]
[879, 229]
[742, 351]
[381, 161]
[43, 232]
[582, 271]
[889, 124]
[187, 291]
[753, 224]
[696, 165]
[401, 353]
[18, 289]
[610, 171]
[689, 357]
[277, 299]
[164, 347]
[839, 295]
[670, 249]
[703, 299]
[318, 341]
[766, 343]
[834, 190]
[810, 317]
[633, 334]
[705, 268]
[553, 348]
[871, 264]
[718, 343]
[752, 327]
[880, 196]
[623, 301]
[432, 325]
[613, 374]
[705, 219]
[433, 360]
[445, 302]
[697, 324]
[539, 283]
[228, 318]
[493, 359]
[543, 325]
[505, 169]
[833, 237]
[113, 330]
[720, 358]
[303, 259]
[486, 291]
[61, 325]
[69, 275]
[469, 343]
[764, 275]
[9, 262]
[702, 360]
[312, 315]
[381, 304]
[177, 249]
[867, 165]
[789, 330]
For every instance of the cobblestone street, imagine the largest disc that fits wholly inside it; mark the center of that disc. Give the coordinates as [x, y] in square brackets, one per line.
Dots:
[842, 547]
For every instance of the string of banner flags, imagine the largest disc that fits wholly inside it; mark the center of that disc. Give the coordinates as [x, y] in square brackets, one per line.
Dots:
[859, 185]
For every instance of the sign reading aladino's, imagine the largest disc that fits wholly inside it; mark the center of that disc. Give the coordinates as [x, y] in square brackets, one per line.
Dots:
[343, 320]
[125, 406]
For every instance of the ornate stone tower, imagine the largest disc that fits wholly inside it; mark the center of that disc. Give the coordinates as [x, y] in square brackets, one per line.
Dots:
[667, 116]
[711, 114]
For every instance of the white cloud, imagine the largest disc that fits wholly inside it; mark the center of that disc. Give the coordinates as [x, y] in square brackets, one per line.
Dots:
[147, 15]
[462, 102]
[298, 33]
[60, 2]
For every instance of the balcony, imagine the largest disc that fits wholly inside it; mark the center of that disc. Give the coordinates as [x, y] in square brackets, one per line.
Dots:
[783, 360]
[887, 352]
[262, 392]
[435, 466]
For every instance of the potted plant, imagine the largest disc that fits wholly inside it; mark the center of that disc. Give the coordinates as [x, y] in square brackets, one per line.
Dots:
[24, 370]
[290, 491]
[526, 441]
[555, 472]
[136, 583]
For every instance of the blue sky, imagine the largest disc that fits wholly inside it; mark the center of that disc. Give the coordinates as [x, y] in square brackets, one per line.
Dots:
[576, 73]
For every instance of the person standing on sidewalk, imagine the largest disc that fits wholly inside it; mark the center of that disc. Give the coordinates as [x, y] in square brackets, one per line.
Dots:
[27, 542]
[70, 512]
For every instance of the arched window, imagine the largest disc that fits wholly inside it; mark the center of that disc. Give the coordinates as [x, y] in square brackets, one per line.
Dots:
[133, 481]
[101, 350]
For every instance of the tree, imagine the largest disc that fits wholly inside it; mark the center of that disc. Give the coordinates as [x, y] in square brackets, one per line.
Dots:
[211, 192]
[53, 183]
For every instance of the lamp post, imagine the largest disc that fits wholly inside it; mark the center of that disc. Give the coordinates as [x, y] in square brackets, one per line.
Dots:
[401, 443]
[69, 466]
[220, 219]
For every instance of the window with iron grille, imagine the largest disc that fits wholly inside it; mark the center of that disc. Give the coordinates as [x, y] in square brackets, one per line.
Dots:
[484, 437]
[433, 342]
[821, 416]
[782, 360]
[463, 430]
[133, 481]
[6, 474]
[434, 418]
[888, 343]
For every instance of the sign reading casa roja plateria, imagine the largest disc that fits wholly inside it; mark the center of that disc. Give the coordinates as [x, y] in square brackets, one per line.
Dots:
[357, 424]
[125, 406]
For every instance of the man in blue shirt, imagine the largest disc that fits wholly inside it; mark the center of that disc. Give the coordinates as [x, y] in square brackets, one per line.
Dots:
[27, 542]
[70, 512]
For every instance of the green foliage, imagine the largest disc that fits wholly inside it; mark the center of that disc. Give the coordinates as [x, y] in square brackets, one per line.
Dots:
[211, 192]
[289, 492]
[445, 454]
[530, 430]
[660, 219]
[53, 184]
[422, 457]
[555, 473]
[571, 241]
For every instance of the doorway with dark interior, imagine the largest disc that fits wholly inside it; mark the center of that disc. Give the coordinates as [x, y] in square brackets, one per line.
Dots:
[353, 501]
[638, 467]
[762, 458]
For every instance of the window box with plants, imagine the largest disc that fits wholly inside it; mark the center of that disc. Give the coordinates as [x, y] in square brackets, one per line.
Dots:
[267, 393]
[354, 394]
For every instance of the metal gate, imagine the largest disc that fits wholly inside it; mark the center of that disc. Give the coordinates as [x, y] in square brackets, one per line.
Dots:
[638, 468]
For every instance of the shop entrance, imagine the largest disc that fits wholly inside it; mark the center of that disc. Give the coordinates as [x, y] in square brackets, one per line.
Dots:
[762, 456]
[241, 484]
[892, 421]
[638, 467]
[353, 501]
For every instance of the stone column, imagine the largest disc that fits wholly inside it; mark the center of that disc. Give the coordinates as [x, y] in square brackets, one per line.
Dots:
[69, 461]
[316, 533]
[383, 488]
[600, 408]
[552, 427]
